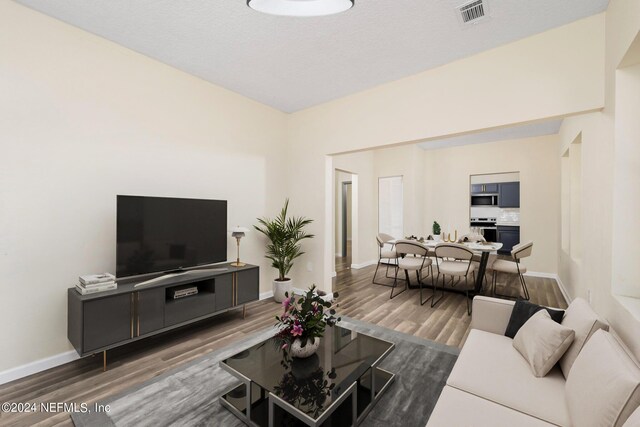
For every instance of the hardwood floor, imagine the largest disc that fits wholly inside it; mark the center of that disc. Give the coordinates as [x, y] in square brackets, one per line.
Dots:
[84, 381]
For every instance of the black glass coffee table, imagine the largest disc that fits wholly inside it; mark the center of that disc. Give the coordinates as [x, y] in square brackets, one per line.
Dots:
[337, 386]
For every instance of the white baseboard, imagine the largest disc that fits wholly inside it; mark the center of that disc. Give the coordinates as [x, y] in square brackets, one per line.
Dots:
[334, 274]
[265, 295]
[565, 294]
[37, 366]
[364, 264]
[554, 276]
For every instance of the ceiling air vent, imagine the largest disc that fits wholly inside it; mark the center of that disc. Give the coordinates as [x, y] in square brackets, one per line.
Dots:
[473, 11]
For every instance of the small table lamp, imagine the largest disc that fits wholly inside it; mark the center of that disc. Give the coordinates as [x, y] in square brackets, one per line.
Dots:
[238, 233]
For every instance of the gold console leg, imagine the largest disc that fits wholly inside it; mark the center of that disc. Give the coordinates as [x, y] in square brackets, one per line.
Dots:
[104, 361]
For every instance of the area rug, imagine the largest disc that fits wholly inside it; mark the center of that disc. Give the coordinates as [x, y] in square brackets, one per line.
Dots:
[188, 395]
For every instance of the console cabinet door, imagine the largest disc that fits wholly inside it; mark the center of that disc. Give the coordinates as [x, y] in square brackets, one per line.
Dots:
[107, 321]
[247, 285]
[224, 291]
[150, 311]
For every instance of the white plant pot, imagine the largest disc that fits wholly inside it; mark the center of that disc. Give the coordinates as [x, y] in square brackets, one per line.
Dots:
[437, 238]
[303, 352]
[280, 287]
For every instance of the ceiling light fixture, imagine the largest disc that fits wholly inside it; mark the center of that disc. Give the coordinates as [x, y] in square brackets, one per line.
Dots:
[300, 7]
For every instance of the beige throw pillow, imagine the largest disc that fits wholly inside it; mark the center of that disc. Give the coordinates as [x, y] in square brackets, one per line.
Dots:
[603, 388]
[542, 342]
[580, 317]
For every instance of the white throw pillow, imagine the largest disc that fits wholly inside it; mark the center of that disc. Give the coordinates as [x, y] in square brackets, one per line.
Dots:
[580, 317]
[542, 342]
[603, 388]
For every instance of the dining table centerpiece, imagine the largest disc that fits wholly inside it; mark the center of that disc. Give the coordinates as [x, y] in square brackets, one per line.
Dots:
[303, 322]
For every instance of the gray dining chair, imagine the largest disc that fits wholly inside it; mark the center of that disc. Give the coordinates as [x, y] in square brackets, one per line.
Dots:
[514, 266]
[412, 256]
[389, 254]
[454, 260]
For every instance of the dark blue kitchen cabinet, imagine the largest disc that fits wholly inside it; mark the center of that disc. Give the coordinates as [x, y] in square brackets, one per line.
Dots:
[484, 188]
[509, 195]
[491, 188]
[476, 188]
[509, 236]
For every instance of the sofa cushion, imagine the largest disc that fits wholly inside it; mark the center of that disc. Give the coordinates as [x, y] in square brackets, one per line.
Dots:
[603, 387]
[522, 311]
[633, 420]
[459, 408]
[580, 317]
[489, 366]
[542, 342]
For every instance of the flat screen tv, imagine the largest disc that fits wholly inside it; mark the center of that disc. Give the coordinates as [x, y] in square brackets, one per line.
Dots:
[157, 234]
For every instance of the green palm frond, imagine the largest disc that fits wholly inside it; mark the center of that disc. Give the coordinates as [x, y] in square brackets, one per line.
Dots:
[285, 235]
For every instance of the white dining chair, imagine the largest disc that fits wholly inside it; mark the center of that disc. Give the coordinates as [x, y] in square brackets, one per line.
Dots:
[454, 260]
[518, 252]
[389, 254]
[412, 256]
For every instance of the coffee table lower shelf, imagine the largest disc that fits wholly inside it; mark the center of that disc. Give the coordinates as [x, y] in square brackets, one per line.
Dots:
[267, 409]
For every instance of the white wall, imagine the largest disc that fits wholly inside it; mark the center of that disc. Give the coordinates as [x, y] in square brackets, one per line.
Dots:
[436, 187]
[82, 120]
[559, 72]
[447, 173]
[594, 275]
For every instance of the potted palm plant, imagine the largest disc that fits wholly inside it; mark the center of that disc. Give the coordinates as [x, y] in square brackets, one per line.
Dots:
[284, 234]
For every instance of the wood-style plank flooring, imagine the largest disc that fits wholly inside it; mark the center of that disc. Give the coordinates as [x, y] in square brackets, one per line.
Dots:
[84, 381]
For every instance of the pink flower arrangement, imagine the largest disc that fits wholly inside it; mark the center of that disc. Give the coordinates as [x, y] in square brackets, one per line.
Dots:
[305, 318]
[297, 330]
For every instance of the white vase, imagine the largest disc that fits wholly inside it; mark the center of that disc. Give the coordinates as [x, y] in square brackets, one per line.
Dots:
[280, 287]
[297, 350]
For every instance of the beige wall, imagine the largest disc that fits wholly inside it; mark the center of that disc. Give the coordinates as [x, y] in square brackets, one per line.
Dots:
[593, 274]
[556, 73]
[81, 120]
[447, 173]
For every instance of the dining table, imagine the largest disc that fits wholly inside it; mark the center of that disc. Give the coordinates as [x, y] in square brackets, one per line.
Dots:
[482, 249]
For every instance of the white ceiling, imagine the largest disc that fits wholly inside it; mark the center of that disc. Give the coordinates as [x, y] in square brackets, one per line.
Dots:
[295, 63]
[550, 127]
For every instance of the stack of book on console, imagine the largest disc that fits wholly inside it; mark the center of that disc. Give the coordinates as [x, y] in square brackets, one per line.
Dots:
[93, 283]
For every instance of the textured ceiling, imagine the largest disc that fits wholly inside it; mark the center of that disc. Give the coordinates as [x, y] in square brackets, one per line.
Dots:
[295, 63]
[550, 127]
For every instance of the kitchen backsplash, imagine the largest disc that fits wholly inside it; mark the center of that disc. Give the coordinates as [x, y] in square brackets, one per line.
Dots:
[511, 215]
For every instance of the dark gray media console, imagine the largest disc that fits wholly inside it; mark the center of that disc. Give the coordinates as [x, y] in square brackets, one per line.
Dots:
[99, 322]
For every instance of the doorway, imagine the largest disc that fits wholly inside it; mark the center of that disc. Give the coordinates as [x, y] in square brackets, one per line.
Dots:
[344, 221]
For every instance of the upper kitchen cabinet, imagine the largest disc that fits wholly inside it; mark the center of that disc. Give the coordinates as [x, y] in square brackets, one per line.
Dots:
[509, 195]
[491, 188]
[477, 188]
[484, 188]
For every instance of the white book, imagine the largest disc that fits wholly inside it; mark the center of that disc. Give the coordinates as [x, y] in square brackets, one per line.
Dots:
[86, 291]
[91, 279]
[94, 285]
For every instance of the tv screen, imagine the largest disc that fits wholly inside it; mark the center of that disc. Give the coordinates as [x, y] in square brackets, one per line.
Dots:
[156, 234]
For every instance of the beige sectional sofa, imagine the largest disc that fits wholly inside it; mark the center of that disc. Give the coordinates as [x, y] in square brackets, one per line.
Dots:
[596, 383]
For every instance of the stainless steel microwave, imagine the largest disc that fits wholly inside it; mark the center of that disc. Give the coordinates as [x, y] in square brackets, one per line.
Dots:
[484, 200]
